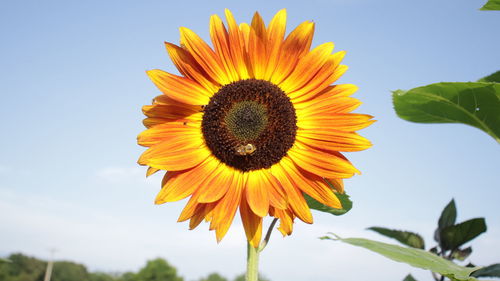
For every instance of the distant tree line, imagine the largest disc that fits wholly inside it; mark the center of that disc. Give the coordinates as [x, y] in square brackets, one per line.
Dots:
[19, 267]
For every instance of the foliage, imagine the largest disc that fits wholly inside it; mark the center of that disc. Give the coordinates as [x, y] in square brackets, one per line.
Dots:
[69, 271]
[213, 277]
[101, 276]
[408, 238]
[489, 271]
[450, 236]
[473, 103]
[409, 278]
[24, 268]
[158, 270]
[241, 277]
[491, 5]
[344, 200]
[412, 256]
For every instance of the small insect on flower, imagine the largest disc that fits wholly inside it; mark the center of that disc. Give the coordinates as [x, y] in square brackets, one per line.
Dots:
[252, 123]
[243, 150]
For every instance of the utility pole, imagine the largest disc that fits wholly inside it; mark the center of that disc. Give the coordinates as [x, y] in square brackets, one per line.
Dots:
[50, 265]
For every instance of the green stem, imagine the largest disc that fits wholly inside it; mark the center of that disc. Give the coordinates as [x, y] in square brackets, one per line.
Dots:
[252, 263]
[253, 255]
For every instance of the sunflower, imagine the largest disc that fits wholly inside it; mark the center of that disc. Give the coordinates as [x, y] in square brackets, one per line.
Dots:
[253, 123]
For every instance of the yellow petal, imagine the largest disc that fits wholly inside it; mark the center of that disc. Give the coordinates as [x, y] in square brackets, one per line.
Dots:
[347, 122]
[275, 35]
[294, 195]
[220, 40]
[307, 67]
[251, 223]
[223, 213]
[179, 88]
[167, 131]
[293, 48]
[312, 185]
[237, 44]
[187, 66]
[179, 153]
[204, 55]
[257, 193]
[322, 163]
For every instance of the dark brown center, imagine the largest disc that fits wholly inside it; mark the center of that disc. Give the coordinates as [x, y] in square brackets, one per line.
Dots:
[249, 124]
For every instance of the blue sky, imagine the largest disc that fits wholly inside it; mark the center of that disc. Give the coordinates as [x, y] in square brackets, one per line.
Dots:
[72, 82]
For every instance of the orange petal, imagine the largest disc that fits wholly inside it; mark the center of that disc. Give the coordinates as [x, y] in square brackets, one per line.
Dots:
[179, 88]
[295, 46]
[223, 213]
[167, 131]
[277, 196]
[335, 91]
[220, 40]
[187, 66]
[337, 184]
[257, 192]
[201, 212]
[312, 185]
[326, 106]
[169, 111]
[151, 122]
[217, 184]
[190, 208]
[236, 44]
[324, 164]
[178, 185]
[307, 67]
[294, 195]
[179, 153]
[347, 122]
[204, 55]
[286, 221]
[257, 55]
[275, 35]
[259, 26]
[328, 73]
[151, 171]
[331, 140]
[251, 223]
[245, 31]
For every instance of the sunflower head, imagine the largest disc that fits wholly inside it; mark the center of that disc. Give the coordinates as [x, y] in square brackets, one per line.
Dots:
[252, 123]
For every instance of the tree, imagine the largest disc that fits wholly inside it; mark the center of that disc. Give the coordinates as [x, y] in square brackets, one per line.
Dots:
[69, 271]
[128, 276]
[101, 276]
[22, 268]
[158, 270]
[214, 277]
[242, 278]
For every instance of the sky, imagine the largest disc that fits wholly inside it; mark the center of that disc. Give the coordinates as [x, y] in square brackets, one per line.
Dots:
[72, 83]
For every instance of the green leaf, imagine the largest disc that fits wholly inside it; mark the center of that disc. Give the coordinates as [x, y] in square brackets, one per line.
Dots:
[448, 215]
[447, 218]
[491, 5]
[409, 278]
[473, 103]
[495, 77]
[414, 257]
[344, 200]
[489, 271]
[461, 255]
[455, 236]
[408, 238]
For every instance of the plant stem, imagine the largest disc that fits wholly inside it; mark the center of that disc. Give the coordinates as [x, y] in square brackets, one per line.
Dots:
[252, 263]
[263, 244]
[253, 255]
